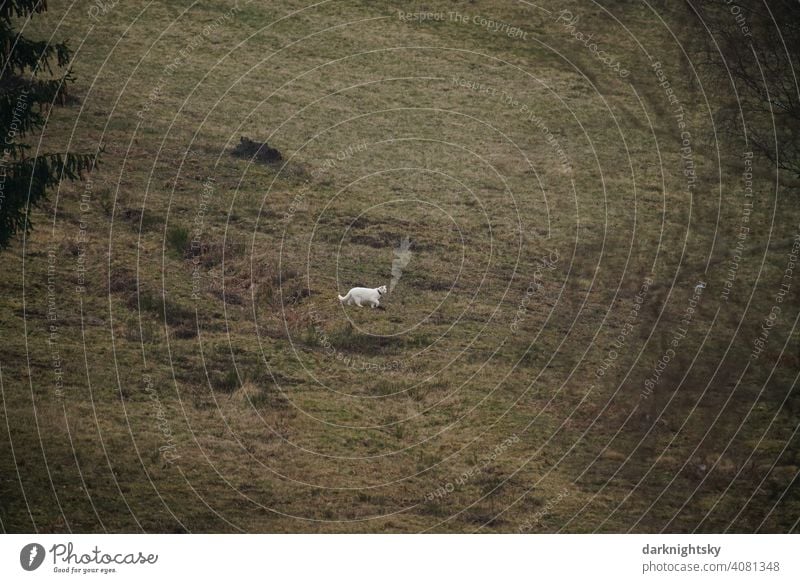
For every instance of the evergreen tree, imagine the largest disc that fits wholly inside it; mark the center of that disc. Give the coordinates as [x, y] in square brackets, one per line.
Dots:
[753, 51]
[34, 77]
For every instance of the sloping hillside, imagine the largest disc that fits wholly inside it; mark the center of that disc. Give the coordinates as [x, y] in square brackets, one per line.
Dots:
[174, 357]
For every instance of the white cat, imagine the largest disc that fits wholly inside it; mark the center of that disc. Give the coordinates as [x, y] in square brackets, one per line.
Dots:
[361, 296]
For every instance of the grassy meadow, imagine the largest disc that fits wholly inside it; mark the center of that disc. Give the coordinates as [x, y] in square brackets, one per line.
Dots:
[174, 358]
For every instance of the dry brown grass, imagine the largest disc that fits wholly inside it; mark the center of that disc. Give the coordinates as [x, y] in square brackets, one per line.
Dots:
[277, 430]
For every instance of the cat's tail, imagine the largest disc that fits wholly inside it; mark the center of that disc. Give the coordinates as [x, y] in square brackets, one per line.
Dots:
[343, 298]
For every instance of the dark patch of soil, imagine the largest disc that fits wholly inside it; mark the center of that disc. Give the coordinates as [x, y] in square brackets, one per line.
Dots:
[259, 151]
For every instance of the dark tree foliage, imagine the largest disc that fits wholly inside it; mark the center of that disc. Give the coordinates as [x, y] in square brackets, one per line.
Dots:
[34, 77]
[752, 47]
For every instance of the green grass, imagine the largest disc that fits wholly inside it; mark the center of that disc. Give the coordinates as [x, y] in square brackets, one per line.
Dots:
[274, 430]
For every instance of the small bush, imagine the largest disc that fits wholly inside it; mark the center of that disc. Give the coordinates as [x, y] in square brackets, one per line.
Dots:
[225, 383]
[122, 280]
[181, 319]
[178, 239]
[269, 397]
[140, 219]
